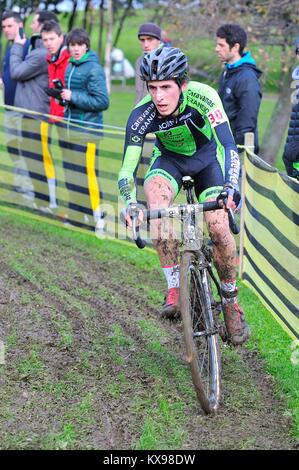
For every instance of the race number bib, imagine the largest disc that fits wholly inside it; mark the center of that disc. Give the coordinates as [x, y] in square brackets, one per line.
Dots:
[216, 117]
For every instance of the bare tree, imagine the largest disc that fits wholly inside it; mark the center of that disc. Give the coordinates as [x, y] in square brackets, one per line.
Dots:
[88, 6]
[107, 66]
[275, 22]
[73, 15]
[101, 27]
[268, 22]
[123, 17]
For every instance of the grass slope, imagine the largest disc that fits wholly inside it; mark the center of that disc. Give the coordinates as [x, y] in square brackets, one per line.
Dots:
[90, 365]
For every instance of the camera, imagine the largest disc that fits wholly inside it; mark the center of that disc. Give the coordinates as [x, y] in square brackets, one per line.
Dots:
[59, 86]
[57, 83]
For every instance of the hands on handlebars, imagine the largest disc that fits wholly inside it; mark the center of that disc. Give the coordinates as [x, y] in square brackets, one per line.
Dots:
[133, 212]
[133, 217]
[230, 198]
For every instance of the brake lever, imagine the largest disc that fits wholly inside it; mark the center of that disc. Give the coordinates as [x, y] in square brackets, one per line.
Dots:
[232, 222]
[135, 229]
[235, 229]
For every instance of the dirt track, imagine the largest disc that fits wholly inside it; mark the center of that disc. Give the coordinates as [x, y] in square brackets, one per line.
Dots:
[88, 361]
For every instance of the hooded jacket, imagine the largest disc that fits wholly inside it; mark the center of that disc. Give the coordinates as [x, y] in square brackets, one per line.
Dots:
[291, 150]
[240, 92]
[86, 79]
[31, 74]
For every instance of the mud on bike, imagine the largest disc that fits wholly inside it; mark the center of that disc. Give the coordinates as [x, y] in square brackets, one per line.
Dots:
[199, 309]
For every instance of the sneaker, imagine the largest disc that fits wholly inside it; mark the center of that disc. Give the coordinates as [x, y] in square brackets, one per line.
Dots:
[101, 224]
[234, 318]
[170, 307]
[100, 227]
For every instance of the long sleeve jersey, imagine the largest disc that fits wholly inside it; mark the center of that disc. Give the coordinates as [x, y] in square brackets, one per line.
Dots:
[201, 120]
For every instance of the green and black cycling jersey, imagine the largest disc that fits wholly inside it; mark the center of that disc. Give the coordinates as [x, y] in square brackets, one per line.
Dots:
[200, 132]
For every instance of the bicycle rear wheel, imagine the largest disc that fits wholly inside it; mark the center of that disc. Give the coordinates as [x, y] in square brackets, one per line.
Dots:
[200, 333]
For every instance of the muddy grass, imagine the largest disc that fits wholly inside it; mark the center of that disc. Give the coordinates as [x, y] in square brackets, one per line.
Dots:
[89, 364]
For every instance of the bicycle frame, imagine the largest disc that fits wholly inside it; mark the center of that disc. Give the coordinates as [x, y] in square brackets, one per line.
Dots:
[197, 304]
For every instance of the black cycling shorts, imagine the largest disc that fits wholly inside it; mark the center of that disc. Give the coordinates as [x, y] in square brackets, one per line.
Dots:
[203, 168]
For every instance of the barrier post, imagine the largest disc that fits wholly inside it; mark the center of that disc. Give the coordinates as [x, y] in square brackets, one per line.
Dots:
[249, 145]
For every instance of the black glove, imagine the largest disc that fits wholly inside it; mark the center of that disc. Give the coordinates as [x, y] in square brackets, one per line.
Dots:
[55, 93]
[229, 190]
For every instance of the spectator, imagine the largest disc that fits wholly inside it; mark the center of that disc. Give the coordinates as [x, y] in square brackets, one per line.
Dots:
[31, 74]
[239, 86]
[149, 36]
[291, 150]
[58, 60]
[11, 22]
[87, 98]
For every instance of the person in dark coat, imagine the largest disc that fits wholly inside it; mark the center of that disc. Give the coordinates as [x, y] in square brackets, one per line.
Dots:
[31, 74]
[11, 25]
[87, 97]
[239, 86]
[291, 150]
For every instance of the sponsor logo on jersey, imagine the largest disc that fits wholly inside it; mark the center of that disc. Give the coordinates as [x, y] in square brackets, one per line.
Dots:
[203, 98]
[166, 124]
[234, 168]
[185, 117]
[216, 117]
[135, 139]
[199, 106]
[144, 119]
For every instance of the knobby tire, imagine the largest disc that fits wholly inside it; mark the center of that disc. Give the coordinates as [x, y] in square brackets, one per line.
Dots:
[202, 347]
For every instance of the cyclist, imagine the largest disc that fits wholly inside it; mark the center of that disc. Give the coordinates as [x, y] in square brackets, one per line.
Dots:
[193, 138]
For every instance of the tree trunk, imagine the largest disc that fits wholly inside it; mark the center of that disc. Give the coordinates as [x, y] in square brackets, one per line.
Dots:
[107, 66]
[278, 123]
[121, 22]
[73, 15]
[101, 24]
[86, 10]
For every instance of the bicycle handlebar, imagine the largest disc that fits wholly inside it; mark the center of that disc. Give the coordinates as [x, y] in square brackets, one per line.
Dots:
[136, 235]
[180, 210]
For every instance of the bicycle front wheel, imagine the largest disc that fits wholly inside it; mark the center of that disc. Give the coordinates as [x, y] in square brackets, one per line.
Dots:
[200, 333]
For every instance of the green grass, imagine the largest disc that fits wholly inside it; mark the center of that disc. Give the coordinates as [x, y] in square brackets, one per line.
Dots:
[31, 365]
[280, 353]
[62, 440]
[121, 105]
[161, 415]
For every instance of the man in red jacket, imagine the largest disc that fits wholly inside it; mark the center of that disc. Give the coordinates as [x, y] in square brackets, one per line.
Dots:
[58, 60]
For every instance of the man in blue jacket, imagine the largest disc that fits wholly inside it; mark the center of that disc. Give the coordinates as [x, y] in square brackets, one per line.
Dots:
[239, 86]
[291, 151]
[11, 24]
[31, 74]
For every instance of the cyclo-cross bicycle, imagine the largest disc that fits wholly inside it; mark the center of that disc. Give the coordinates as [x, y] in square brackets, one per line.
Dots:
[199, 311]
